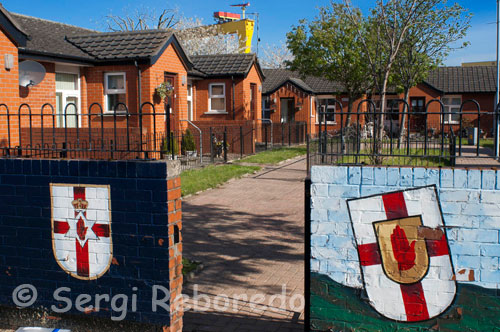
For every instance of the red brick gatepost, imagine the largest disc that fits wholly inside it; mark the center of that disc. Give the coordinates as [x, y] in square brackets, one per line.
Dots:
[175, 245]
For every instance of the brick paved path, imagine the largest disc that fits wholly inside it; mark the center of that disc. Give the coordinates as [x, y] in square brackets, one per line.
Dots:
[249, 234]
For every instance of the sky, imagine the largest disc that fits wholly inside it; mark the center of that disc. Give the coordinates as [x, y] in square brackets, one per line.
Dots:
[276, 17]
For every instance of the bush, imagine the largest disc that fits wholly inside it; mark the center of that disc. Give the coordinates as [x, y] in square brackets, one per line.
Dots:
[187, 143]
[167, 149]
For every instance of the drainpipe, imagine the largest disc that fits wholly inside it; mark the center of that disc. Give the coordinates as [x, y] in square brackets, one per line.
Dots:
[138, 86]
[234, 108]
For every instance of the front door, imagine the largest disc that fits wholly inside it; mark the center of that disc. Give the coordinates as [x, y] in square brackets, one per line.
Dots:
[287, 106]
[417, 114]
[169, 102]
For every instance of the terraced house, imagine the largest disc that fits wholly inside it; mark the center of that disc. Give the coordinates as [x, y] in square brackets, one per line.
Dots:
[104, 80]
[290, 97]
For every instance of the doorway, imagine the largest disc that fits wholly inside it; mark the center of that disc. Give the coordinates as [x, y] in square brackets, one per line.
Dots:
[67, 100]
[417, 114]
[287, 107]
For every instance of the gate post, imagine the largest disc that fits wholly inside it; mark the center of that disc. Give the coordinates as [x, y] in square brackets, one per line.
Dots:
[174, 203]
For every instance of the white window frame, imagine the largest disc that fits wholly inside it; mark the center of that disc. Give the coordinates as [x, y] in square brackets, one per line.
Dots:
[330, 106]
[70, 93]
[210, 96]
[447, 108]
[114, 91]
[190, 98]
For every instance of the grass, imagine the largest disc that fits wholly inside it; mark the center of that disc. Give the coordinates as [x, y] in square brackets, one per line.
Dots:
[189, 266]
[275, 156]
[484, 142]
[432, 159]
[212, 176]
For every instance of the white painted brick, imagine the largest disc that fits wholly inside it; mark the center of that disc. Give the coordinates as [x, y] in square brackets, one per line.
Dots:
[458, 220]
[325, 203]
[393, 176]
[490, 250]
[319, 240]
[488, 179]
[492, 197]
[451, 207]
[314, 265]
[343, 191]
[326, 228]
[474, 179]
[380, 176]
[319, 215]
[354, 174]
[338, 216]
[319, 190]
[490, 222]
[419, 177]
[367, 176]
[91, 193]
[460, 178]
[465, 261]
[489, 263]
[477, 235]
[339, 175]
[102, 193]
[406, 177]
[446, 177]
[453, 195]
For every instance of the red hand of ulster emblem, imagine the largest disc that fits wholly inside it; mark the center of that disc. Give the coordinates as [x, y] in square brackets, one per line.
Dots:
[81, 229]
[404, 252]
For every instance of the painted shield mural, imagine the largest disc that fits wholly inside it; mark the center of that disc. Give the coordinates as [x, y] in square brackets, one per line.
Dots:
[404, 256]
[81, 229]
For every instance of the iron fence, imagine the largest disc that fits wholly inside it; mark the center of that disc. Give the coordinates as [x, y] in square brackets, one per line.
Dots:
[52, 132]
[434, 135]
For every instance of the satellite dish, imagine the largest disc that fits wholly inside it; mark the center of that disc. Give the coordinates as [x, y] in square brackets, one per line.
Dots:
[31, 73]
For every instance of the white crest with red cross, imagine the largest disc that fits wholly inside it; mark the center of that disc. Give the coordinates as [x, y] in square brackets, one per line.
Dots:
[404, 254]
[81, 229]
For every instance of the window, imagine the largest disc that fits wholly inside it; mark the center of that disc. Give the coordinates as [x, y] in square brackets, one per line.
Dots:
[115, 92]
[391, 109]
[327, 107]
[253, 98]
[190, 101]
[266, 107]
[417, 104]
[452, 109]
[67, 99]
[217, 98]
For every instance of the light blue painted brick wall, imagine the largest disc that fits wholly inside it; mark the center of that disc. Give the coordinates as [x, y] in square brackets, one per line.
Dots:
[470, 200]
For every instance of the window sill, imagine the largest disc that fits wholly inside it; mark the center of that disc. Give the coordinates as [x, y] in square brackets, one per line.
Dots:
[328, 123]
[214, 113]
[107, 113]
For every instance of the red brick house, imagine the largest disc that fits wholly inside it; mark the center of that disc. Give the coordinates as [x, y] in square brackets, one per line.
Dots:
[289, 97]
[118, 72]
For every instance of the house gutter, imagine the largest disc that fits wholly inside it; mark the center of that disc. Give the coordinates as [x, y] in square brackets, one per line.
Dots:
[234, 108]
[138, 86]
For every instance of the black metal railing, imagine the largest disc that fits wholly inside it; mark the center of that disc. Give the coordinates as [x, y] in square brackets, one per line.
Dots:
[96, 134]
[47, 132]
[438, 135]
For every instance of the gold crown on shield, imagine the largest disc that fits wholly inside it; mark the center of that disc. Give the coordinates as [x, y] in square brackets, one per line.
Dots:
[80, 204]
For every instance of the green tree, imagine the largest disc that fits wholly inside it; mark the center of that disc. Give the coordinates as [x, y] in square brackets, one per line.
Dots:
[427, 45]
[330, 47]
[383, 35]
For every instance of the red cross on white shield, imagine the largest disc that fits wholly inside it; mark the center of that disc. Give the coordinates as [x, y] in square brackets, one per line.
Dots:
[81, 229]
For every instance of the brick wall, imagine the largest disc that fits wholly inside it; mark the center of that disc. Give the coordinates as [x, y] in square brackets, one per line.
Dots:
[470, 205]
[137, 245]
[9, 88]
[241, 98]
